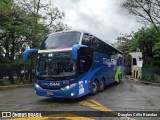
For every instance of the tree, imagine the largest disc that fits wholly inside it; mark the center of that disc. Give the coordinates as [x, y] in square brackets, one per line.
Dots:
[147, 10]
[123, 44]
[146, 40]
[45, 14]
[11, 27]
[156, 50]
[24, 24]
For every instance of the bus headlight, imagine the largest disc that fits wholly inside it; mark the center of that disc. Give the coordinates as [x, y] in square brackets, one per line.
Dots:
[37, 86]
[69, 86]
[72, 94]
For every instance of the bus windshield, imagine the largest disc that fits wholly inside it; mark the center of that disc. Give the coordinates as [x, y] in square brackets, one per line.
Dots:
[61, 40]
[58, 64]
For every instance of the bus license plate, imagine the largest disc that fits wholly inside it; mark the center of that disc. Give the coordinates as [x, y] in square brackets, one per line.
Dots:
[49, 93]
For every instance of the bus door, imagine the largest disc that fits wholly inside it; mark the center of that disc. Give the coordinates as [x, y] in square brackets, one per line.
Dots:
[85, 58]
[114, 66]
[112, 70]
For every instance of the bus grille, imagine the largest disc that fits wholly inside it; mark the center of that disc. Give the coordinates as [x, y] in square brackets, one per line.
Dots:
[50, 88]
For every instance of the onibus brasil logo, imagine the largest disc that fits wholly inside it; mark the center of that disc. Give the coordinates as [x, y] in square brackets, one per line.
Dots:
[20, 114]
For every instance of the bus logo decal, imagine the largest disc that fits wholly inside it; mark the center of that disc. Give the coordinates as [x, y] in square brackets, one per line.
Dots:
[81, 89]
[109, 62]
[51, 84]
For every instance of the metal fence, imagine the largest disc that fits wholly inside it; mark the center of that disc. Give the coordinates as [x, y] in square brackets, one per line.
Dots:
[151, 74]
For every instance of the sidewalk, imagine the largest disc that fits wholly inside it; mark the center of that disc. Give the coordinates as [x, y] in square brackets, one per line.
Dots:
[15, 86]
[138, 80]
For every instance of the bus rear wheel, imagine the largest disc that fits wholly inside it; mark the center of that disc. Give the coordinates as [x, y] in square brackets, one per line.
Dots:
[95, 87]
[102, 85]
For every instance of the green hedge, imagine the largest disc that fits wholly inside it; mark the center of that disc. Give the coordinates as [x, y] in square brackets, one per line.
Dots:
[4, 82]
[148, 74]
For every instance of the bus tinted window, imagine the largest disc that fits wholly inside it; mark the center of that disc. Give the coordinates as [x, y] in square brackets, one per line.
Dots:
[96, 44]
[61, 40]
[87, 40]
[58, 64]
[90, 41]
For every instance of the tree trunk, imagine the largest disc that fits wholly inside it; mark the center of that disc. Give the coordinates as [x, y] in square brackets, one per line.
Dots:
[11, 77]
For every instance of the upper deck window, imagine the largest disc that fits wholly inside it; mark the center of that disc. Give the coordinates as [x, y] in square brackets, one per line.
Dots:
[61, 40]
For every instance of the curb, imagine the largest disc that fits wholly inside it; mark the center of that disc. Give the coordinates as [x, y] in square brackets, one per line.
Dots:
[15, 86]
[144, 82]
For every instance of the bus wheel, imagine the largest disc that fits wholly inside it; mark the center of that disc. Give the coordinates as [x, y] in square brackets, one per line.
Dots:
[102, 85]
[95, 87]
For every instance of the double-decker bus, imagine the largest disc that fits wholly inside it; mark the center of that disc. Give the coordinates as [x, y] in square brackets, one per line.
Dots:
[71, 64]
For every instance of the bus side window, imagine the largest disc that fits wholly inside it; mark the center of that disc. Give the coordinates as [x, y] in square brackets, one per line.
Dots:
[88, 40]
[85, 64]
[82, 65]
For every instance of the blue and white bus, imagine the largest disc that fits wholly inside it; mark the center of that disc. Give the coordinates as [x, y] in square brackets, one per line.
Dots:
[71, 64]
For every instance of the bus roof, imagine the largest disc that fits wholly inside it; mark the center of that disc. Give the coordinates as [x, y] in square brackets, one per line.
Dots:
[66, 31]
[83, 31]
[113, 47]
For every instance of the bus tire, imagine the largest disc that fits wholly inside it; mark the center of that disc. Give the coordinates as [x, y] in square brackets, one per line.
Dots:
[95, 87]
[101, 85]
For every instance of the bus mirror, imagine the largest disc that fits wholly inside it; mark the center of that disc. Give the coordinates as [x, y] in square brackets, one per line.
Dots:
[75, 49]
[27, 52]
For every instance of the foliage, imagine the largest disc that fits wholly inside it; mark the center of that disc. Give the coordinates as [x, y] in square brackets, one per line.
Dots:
[24, 24]
[123, 44]
[156, 50]
[3, 82]
[149, 73]
[148, 11]
[147, 41]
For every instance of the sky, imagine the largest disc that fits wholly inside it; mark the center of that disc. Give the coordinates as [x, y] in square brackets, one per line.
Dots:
[105, 19]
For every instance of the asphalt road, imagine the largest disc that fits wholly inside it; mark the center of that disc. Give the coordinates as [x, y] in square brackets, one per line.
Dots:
[127, 96]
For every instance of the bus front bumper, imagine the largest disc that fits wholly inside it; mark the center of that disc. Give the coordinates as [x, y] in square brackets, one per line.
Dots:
[62, 93]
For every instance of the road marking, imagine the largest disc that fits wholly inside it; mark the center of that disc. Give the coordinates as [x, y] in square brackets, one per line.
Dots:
[57, 116]
[96, 105]
[90, 103]
[49, 117]
[132, 119]
[71, 117]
